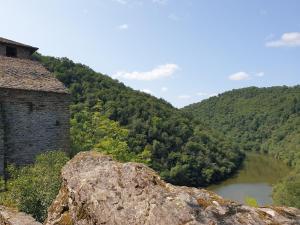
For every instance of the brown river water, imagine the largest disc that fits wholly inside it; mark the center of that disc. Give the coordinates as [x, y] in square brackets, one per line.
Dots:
[255, 179]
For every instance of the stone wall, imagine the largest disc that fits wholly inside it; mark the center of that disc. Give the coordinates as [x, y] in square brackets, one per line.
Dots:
[23, 53]
[1, 141]
[35, 122]
[2, 50]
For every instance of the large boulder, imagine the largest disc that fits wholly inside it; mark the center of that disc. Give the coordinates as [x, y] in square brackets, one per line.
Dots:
[10, 216]
[97, 190]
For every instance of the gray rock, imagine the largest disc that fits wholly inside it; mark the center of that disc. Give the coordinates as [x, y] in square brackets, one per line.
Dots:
[97, 190]
[13, 217]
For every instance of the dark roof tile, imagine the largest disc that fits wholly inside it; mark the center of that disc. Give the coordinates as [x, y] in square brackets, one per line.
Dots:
[26, 74]
[10, 42]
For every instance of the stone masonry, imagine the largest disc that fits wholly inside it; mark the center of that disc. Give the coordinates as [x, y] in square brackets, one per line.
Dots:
[34, 109]
[22, 51]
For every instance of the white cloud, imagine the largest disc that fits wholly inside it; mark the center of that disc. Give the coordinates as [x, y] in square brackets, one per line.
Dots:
[173, 17]
[124, 26]
[202, 94]
[158, 72]
[260, 74]
[85, 11]
[147, 91]
[263, 12]
[239, 76]
[162, 2]
[287, 40]
[269, 37]
[164, 89]
[244, 76]
[123, 2]
[184, 97]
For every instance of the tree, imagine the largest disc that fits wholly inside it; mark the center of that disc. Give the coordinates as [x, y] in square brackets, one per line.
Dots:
[287, 192]
[32, 188]
[102, 108]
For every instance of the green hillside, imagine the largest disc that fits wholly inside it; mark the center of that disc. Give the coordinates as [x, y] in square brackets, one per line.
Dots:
[147, 129]
[260, 119]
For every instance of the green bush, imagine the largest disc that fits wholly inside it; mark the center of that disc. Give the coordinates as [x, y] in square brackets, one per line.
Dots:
[32, 188]
[287, 192]
[94, 131]
[251, 202]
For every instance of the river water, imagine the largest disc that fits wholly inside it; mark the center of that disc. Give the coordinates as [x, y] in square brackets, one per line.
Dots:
[255, 179]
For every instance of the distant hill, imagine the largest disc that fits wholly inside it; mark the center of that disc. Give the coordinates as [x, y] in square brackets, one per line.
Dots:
[180, 151]
[259, 119]
[251, 116]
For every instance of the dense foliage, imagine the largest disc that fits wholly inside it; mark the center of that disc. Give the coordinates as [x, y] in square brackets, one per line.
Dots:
[92, 131]
[32, 188]
[285, 144]
[249, 115]
[287, 192]
[260, 119]
[251, 202]
[157, 132]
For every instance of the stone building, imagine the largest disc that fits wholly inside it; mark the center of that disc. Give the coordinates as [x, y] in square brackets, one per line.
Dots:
[34, 107]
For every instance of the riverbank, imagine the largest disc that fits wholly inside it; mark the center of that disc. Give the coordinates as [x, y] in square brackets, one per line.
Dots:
[255, 179]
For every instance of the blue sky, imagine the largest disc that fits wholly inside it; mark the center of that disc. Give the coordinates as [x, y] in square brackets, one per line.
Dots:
[180, 50]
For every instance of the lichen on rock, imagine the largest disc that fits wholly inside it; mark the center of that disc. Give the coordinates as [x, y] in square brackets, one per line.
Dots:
[97, 190]
[10, 216]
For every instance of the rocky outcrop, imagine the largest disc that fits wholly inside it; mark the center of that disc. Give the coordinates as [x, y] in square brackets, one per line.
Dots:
[97, 190]
[13, 217]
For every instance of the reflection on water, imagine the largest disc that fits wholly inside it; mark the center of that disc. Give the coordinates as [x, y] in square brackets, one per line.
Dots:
[255, 179]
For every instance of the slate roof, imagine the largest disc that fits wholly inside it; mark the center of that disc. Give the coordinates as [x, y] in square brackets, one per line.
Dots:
[26, 74]
[14, 43]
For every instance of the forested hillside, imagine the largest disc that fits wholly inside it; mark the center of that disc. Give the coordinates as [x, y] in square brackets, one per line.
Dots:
[110, 117]
[260, 119]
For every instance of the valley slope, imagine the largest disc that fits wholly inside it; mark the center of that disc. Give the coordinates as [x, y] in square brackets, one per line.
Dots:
[260, 119]
[195, 146]
[160, 134]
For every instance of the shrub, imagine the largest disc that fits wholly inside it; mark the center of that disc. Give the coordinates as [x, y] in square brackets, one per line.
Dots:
[32, 188]
[251, 202]
[287, 192]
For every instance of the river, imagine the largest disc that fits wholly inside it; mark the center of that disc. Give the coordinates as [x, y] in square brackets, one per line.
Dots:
[255, 179]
